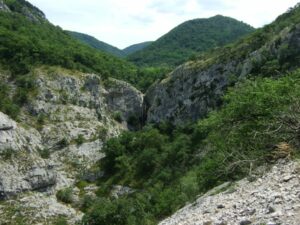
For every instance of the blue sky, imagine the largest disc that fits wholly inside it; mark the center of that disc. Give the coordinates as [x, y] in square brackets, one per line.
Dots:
[122, 23]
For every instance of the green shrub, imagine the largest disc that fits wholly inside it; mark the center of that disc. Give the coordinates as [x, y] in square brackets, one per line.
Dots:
[62, 143]
[45, 153]
[65, 195]
[172, 165]
[80, 139]
[115, 212]
[7, 105]
[60, 221]
[7, 153]
[102, 133]
[118, 117]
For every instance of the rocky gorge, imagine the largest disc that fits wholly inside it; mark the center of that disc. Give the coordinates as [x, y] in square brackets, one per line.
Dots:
[78, 146]
[196, 87]
[75, 114]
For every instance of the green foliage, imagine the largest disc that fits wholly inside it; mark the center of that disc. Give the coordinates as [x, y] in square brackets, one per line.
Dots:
[21, 6]
[80, 139]
[190, 39]
[11, 100]
[118, 117]
[65, 195]
[7, 105]
[168, 166]
[267, 63]
[62, 143]
[7, 153]
[253, 121]
[60, 221]
[102, 133]
[136, 47]
[115, 212]
[148, 75]
[45, 153]
[94, 43]
[25, 44]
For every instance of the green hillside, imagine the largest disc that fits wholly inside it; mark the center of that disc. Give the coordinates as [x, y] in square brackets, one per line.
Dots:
[189, 39]
[27, 42]
[136, 47]
[95, 43]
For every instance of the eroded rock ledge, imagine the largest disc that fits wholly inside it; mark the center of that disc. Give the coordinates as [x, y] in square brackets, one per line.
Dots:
[272, 199]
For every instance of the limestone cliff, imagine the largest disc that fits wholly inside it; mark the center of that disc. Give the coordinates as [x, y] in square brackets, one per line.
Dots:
[197, 87]
[59, 137]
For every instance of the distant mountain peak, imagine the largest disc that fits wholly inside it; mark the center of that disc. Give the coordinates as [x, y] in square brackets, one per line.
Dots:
[191, 38]
[96, 44]
[136, 47]
[105, 47]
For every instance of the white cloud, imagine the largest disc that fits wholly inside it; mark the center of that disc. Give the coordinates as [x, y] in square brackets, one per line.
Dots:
[122, 23]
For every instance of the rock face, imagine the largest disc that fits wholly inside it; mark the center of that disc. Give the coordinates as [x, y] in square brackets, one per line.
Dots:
[59, 137]
[128, 101]
[3, 7]
[28, 10]
[195, 88]
[271, 199]
[22, 169]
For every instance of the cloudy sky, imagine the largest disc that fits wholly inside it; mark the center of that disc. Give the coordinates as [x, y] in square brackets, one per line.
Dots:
[125, 22]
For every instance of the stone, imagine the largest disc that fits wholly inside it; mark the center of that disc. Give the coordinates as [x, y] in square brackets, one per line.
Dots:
[270, 210]
[245, 222]
[220, 206]
[119, 191]
[72, 105]
[193, 89]
[251, 203]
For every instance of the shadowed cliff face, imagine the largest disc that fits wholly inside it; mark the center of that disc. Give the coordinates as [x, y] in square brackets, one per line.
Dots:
[195, 88]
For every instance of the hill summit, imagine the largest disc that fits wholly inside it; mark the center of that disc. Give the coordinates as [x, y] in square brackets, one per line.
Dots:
[190, 38]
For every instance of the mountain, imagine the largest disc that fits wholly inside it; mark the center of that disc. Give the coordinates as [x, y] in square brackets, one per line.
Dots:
[191, 38]
[78, 146]
[94, 43]
[136, 47]
[197, 87]
[29, 40]
[100, 45]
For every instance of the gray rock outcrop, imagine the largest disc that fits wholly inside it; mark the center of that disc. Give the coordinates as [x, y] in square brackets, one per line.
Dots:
[22, 169]
[58, 137]
[271, 199]
[3, 7]
[195, 88]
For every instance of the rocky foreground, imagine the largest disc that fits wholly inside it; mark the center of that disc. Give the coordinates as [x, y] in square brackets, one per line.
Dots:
[273, 198]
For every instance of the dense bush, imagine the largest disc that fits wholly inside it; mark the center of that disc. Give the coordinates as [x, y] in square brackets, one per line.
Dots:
[7, 106]
[168, 166]
[11, 100]
[65, 195]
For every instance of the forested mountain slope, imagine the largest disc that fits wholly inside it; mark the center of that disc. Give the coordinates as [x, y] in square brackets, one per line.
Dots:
[136, 47]
[28, 40]
[189, 39]
[94, 43]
